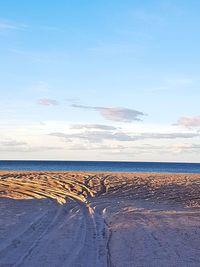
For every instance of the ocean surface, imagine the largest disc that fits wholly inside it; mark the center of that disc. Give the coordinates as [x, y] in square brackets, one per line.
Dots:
[100, 166]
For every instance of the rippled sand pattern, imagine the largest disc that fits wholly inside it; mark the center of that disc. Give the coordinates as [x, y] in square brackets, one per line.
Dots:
[99, 219]
[83, 186]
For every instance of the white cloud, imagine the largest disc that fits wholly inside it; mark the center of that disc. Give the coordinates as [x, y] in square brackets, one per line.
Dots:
[189, 121]
[186, 148]
[12, 143]
[95, 142]
[95, 136]
[169, 135]
[93, 126]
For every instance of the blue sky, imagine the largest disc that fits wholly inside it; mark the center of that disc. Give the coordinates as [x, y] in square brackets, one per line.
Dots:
[100, 80]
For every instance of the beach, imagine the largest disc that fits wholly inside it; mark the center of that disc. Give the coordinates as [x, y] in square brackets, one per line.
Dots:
[95, 219]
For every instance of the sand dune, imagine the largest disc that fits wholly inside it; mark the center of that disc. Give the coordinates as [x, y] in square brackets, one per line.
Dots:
[99, 219]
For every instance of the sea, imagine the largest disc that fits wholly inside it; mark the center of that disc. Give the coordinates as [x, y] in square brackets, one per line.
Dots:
[99, 166]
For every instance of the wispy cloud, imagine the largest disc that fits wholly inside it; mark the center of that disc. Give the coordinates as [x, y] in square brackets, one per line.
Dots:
[95, 136]
[29, 149]
[168, 135]
[49, 28]
[189, 121]
[47, 102]
[47, 56]
[159, 13]
[179, 148]
[93, 127]
[115, 113]
[74, 100]
[96, 147]
[12, 143]
[113, 49]
[6, 25]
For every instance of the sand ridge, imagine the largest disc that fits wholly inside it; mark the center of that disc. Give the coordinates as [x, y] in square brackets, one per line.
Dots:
[83, 185]
[99, 219]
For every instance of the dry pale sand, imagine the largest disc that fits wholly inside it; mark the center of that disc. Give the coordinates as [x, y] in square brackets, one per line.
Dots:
[99, 219]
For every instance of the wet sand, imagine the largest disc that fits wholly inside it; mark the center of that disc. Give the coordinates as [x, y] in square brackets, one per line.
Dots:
[99, 219]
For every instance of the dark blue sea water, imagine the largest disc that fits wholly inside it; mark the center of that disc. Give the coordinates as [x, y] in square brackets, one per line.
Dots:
[100, 166]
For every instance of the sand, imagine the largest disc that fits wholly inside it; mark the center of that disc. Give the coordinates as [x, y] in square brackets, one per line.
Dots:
[99, 219]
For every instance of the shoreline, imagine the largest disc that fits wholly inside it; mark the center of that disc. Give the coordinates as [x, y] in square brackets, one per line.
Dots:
[100, 172]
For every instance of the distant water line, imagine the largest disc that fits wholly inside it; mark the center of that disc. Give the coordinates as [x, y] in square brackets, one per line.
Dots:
[100, 166]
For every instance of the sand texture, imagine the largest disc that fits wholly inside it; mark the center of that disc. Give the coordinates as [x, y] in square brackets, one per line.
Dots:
[76, 219]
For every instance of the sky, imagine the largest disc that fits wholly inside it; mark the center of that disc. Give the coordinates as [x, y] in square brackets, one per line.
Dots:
[100, 80]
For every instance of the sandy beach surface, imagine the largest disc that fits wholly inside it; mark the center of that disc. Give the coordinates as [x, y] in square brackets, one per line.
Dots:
[76, 219]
